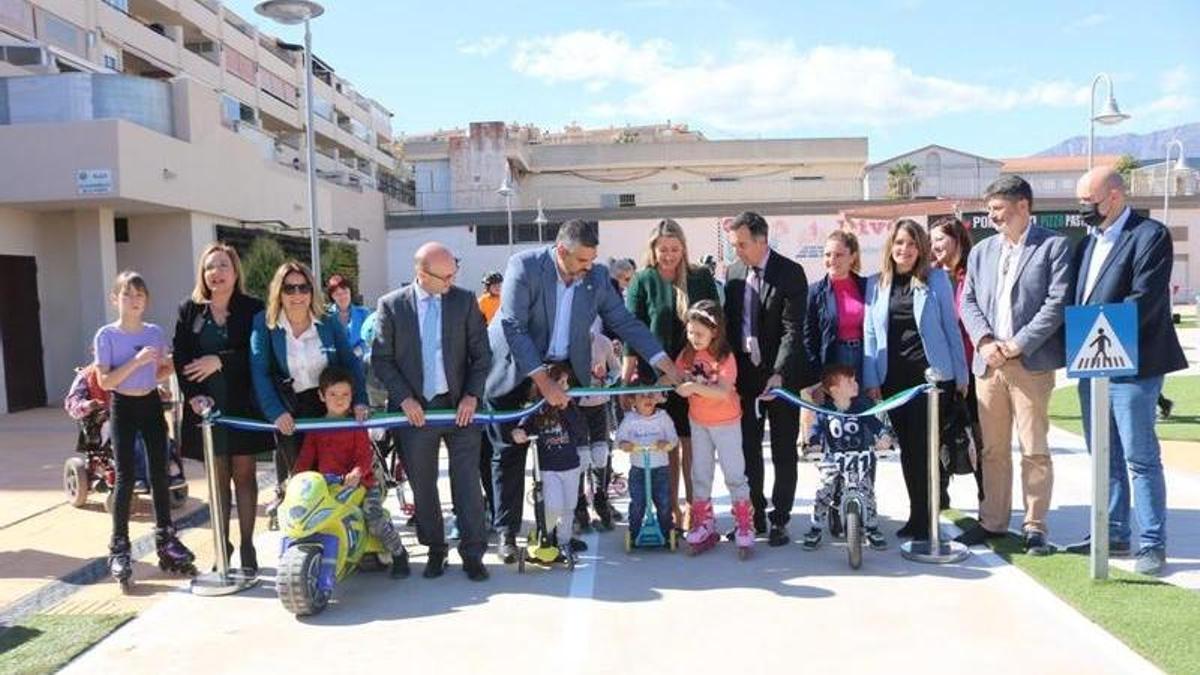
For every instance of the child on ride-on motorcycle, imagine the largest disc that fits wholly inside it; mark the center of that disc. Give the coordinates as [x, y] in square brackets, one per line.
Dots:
[347, 453]
[839, 434]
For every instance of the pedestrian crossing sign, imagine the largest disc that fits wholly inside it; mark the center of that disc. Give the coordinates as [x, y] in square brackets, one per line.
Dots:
[1102, 340]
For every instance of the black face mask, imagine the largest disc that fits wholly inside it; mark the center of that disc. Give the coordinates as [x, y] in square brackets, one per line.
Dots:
[1091, 214]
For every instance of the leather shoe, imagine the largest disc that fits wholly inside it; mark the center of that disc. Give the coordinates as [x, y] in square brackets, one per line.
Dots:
[436, 565]
[507, 549]
[778, 536]
[475, 570]
[400, 569]
[978, 535]
[1116, 549]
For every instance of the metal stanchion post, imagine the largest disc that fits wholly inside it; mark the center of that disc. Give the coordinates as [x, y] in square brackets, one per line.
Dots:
[934, 550]
[1098, 565]
[222, 581]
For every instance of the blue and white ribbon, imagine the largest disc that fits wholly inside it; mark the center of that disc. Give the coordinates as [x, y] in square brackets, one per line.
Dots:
[434, 418]
[890, 403]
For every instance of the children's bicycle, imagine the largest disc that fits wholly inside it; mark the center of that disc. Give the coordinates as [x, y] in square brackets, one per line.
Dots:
[852, 497]
[649, 535]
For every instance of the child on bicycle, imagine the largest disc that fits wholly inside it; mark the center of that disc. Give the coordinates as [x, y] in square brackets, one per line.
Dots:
[647, 426]
[839, 434]
[131, 357]
[347, 453]
[560, 435]
[714, 414]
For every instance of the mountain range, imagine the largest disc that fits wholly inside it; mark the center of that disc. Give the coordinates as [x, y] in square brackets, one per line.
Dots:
[1144, 147]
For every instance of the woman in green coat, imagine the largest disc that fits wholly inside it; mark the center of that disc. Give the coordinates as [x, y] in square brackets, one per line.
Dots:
[659, 296]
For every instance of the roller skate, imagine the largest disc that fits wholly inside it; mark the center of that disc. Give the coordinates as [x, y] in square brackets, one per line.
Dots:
[120, 566]
[173, 556]
[703, 534]
[743, 533]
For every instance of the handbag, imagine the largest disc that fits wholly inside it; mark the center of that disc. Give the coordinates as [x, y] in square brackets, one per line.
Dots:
[960, 438]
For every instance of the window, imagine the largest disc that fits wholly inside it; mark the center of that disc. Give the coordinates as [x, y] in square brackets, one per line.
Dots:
[111, 62]
[17, 14]
[240, 65]
[627, 199]
[491, 235]
[61, 33]
[122, 5]
[723, 179]
[279, 88]
[234, 111]
[121, 230]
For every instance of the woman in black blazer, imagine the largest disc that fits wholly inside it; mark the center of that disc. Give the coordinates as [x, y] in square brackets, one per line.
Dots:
[212, 361]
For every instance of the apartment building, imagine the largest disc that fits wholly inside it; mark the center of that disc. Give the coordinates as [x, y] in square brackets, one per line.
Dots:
[133, 133]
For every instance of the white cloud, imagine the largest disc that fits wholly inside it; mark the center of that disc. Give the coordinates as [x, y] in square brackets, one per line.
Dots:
[1175, 87]
[484, 46]
[1087, 22]
[767, 86]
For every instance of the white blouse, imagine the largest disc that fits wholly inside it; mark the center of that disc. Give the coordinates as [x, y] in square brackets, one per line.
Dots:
[305, 357]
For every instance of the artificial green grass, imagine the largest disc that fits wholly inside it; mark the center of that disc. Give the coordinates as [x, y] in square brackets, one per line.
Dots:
[1183, 425]
[44, 643]
[1156, 619]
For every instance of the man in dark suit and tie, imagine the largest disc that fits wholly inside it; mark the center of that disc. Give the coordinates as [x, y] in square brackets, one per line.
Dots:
[431, 352]
[549, 300]
[766, 295]
[1128, 258]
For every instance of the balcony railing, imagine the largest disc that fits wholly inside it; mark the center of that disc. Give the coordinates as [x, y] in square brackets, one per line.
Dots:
[75, 97]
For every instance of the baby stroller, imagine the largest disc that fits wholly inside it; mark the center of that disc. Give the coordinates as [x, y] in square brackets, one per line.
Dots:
[93, 468]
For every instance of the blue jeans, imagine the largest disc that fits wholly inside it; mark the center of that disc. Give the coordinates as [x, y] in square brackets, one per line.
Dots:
[1133, 450]
[659, 485]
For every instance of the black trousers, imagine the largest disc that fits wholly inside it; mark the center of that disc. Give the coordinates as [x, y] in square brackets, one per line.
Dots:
[287, 448]
[911, 425]
[785, 431]
[419, 449]
[132, 415]
[508, 465]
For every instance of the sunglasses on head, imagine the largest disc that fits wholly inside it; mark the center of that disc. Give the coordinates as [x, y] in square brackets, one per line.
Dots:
[297, 289]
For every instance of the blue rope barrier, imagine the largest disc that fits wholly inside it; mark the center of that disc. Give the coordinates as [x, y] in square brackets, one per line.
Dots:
[892, 402]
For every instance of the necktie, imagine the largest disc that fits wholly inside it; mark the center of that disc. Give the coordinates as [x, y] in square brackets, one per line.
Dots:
[431, 336]
[754, 310]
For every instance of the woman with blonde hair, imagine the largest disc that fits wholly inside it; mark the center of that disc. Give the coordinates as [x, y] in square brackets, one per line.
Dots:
[659, 296]
[292, 341]
[911, 325]
[212, 361]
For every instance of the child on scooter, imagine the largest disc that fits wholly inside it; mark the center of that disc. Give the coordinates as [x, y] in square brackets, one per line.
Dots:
[840, 434]
[560, 435]
[645, 425]
[593, 455]
[714, 413]
[347, 453]
[131, 357]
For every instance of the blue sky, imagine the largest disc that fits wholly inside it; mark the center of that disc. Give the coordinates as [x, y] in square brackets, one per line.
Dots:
[996, 79]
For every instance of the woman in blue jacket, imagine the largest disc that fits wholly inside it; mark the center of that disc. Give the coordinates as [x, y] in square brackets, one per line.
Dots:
[911, 326]
[291, 342]
[833, 325]
[340, 292]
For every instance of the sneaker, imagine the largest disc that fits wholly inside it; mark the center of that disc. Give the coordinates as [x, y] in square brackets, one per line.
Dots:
[140, 487]
[400, 569]
[778, 536]
[1116, 549]
[577, 545]
[1035, 544]
[812, 539]
[507, 549]
[876, 540]
[978, 535]
[1151, 562]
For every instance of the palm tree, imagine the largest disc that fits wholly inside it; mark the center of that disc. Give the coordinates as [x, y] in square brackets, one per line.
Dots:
[903, 182]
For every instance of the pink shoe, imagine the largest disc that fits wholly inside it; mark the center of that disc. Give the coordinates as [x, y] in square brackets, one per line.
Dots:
[703, 533]
[743, 516]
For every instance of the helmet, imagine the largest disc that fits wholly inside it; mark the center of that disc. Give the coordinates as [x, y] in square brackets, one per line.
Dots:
[492, 278]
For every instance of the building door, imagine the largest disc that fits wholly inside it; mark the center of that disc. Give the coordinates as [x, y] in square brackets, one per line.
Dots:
[20, 329]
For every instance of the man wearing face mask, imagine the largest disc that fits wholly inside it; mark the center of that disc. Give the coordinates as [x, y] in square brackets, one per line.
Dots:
[1128, 258]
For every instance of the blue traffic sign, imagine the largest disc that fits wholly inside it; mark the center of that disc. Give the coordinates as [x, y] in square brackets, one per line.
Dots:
[1102, 340]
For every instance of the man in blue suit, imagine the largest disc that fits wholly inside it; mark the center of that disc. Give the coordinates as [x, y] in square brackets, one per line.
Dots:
[549, 300]
[1128, 258]
[1018, 284]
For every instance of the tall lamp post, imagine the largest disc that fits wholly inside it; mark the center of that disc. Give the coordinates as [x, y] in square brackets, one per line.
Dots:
[293, 13]
[507, 191]
[1109, 116]
[541, 220]
[1178, 166]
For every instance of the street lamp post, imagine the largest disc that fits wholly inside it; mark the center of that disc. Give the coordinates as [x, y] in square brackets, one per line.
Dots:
[1109, 116]
[1168, 168]
[507, 191]
[541, 221]
[292, 13]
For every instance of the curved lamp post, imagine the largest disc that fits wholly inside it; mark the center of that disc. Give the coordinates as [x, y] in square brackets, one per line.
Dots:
[1109, 116]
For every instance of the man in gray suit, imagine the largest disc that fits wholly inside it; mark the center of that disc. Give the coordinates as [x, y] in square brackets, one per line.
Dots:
[1017, 288]
[548, 301]
[431, 352]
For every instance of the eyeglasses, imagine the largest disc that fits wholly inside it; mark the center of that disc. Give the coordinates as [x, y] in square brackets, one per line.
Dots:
[444, 278]
[297, 289]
